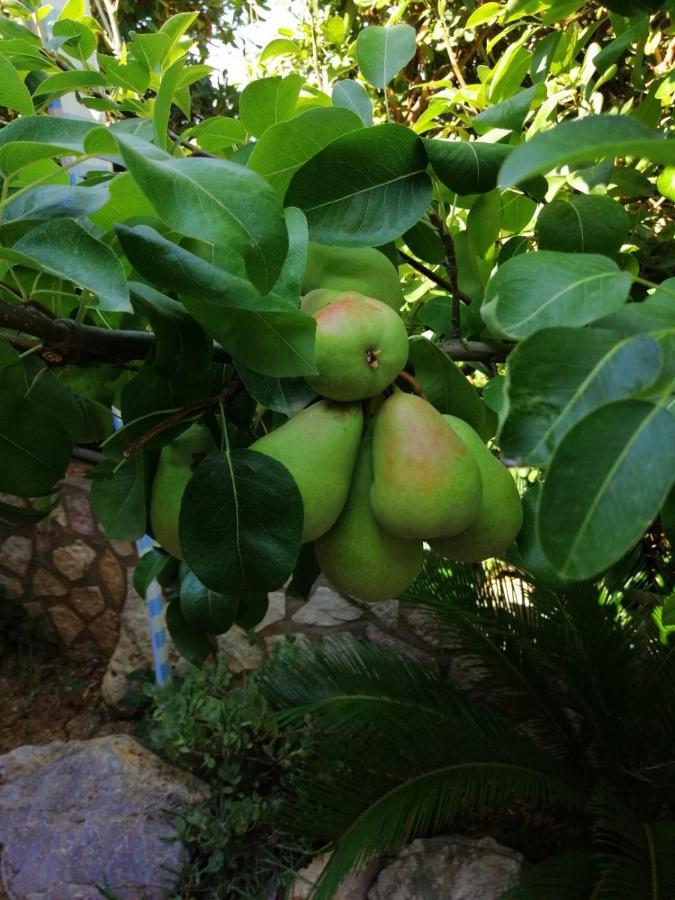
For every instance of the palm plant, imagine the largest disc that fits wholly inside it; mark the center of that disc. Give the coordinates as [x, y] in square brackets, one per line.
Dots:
[567, 713]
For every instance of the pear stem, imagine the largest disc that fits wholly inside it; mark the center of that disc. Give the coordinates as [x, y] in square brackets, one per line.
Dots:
[411, 382]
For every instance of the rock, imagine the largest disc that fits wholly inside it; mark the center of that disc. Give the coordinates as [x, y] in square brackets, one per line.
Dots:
[105, 630]
[241, 654]
[112, 575]
[46, 584]
[123, 548]
[12, 587]
[387, 612]
[354, 887]
[79, 512]
[88, 601]
[74, 815]
[276, 610]
[449, 868]
[425, 625]
[326, 608]
[15, 554]
[275, 641]
[67, 623]
[375, 636]
[73, 560]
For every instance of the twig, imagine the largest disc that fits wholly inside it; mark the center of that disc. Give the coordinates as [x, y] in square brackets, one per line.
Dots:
[223, 398]
[193, 148]
[451, 269]
[426, 271]
[475, 351]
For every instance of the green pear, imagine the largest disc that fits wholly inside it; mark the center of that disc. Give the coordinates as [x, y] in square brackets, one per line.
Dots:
[361, 346]
[357, 555]
[177, 462]
[317, 299]
[500, 516]
[361, 269]
[426, 482]
[318, 446]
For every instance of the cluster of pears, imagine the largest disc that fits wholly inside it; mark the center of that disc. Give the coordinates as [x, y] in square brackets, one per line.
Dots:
[372, 491]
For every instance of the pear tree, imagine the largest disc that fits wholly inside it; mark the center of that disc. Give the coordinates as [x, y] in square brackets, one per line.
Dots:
[320, 333]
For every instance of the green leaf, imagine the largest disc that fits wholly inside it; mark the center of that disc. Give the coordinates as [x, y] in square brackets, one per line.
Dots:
[126, 202]
[279, 47]
[352, 95]
[606, 483]
[56, 201]
[264, 334]
[195, 646]
[447, 388]
[594, 137]
[88, 263]
[582, 370]
[241, 522]
[584, 224]
[285, 147]
[425, 242]
[217, 133]
[467, 167]
[268, 101]
[382, 52]
[182, 347]
[289, 283]
[305, 573]
[81, 40]
[483, 223]
[364, 189]
[150, 566]
[119, 498]
[218, 201]
[131, 76]
[509, 115]
[205, 609]
[13, 92]
[162, 108]
[63, 82]
[612, 51]
[253, 606]
[34, 447]
[472, 271]
[668, 522]
[540, 290]
[60, 134]
[283, 395]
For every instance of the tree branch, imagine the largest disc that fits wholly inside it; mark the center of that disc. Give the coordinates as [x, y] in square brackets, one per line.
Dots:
[451, 269]
[426, 271]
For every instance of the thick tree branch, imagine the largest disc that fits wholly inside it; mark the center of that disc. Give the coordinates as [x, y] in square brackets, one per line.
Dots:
[65, 341]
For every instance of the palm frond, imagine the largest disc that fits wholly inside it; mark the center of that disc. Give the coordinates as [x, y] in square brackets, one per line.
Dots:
[431, 801]
[568, 876]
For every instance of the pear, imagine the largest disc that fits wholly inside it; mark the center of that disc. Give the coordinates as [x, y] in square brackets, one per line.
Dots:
[426, 483]
[318, 446]
[361, 269]
[177, 462]
[361, 346]
[500, 516]
[358, 556]
[317, 299]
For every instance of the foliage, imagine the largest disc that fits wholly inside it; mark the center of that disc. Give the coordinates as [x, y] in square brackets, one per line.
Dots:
[559, 708]
[506, 160]
[224, 734]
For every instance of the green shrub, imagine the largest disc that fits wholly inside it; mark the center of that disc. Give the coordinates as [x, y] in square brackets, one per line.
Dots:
[224, 733]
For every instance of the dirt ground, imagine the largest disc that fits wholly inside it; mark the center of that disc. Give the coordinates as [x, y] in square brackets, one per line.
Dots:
[45, 697]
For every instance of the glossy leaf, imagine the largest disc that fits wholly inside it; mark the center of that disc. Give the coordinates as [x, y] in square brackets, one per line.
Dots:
[149, 567]
[353, 96]
[286, 147]
[365, 188]
[447, 388]
[218, 201]
[606, 483]
[467, 167]
[34, 447]
[265, 334]
[56, 201]
[195, 646]
[25, 515]
[13, 92]
[582, 370]
[182, 347]
[119, 497]
[382, 51]
[583, 224]
[61, 134]
[205, 609]
[241, 522]
[88, 262]
[288, 284]
[545, 289]
[510, 114]
[283, 395]
[63, 82]
[594, 137]
[267, 101]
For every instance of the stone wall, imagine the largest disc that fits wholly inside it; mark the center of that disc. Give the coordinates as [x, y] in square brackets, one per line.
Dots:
[65, 569]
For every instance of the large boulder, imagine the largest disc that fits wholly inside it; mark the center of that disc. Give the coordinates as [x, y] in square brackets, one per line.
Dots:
[87, 813]
[449, 868]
